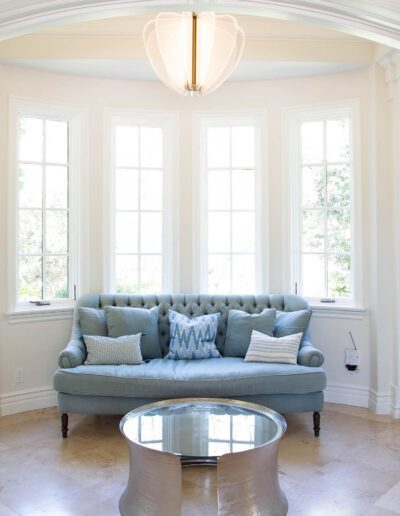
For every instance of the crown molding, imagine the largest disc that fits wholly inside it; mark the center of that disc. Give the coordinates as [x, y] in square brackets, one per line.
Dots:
[378, 20]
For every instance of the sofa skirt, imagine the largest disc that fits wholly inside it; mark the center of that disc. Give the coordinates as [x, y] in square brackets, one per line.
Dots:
[109, 405]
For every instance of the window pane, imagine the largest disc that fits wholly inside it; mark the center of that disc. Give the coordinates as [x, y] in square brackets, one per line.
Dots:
[219, 273]
[243, 147]
[126, 274]
[238, 447]
[219, 190]
[231, 205]
[30, 278]
[218, 148]
[56, 277]
[126, 232]
[326, 193]
[217, 449]
[243, 195]
[243, 428]
[56, 141]
[151, 233]
[313, 275]
[338, 186]
[30, 186]
[312, 142]
[57, 232]
[151, 274]
[338, 140]
[313, 230]
[219, 426]
[243, 232]
[243, 274]
[30, 139]
[151, 184]
[313, 187]
[151, 147]
[339, 280]
[139, 191]
[30, 231]
[43, 230]
[339, 234]
[151, 428]
[219, 232]
[56, 187]
[126, 189]
[127, 146]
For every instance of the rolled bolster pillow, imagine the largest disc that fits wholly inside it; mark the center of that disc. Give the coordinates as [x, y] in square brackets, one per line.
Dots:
[71, 356]
[310, 356]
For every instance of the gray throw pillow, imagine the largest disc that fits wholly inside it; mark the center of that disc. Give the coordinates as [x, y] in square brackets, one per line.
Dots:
[129, 321]
[107, 351]
[290, 323]
[92, 321]
[240, 326]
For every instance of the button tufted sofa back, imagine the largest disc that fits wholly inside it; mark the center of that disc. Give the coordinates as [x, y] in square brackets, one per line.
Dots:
[192, 305]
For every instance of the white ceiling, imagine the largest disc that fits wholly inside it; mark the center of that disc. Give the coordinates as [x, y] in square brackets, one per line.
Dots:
[254, 26]
[140, 69]
[113, 48]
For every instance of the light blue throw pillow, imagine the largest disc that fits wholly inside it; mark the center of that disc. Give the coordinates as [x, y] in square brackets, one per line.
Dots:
[130, 321]
[290, 323]
[240, 326]
[92, 321]
[192, 338]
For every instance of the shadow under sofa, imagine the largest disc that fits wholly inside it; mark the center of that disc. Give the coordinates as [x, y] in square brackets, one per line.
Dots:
[111, 389]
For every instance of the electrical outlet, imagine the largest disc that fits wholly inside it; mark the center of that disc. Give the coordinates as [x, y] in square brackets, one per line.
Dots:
[352, 359]
[19, 375]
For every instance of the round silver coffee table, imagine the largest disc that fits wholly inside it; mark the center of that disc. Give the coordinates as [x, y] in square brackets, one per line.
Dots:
[240, 438]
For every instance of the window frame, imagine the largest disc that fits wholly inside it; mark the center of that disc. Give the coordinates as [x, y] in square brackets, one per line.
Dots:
[201, 122]
[168, 121]
[76, 118]
[293, 118]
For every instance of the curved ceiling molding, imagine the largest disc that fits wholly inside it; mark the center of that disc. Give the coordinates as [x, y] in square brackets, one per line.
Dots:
[378, 20]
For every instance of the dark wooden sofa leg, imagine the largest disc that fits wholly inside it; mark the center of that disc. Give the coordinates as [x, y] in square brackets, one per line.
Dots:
[316, 419]
[64, 425]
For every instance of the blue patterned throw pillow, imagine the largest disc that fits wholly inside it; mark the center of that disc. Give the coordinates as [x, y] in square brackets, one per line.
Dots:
[192, 338]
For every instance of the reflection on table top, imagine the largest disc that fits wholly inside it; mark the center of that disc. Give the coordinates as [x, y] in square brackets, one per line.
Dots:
[202, 428]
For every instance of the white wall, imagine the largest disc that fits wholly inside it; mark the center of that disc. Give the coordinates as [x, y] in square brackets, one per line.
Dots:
[34, 346]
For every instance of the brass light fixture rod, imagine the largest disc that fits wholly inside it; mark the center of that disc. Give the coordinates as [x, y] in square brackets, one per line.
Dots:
[194, 51]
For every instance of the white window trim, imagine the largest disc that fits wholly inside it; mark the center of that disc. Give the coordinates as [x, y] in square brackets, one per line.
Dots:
[77, 118]
[200, 122]
[169, 121]
[292, 117]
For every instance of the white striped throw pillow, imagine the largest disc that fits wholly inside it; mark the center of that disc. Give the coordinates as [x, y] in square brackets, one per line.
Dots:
[113, 351]
[264, 348]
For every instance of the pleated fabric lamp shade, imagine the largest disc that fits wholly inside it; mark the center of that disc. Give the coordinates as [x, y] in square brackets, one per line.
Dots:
[193, 53]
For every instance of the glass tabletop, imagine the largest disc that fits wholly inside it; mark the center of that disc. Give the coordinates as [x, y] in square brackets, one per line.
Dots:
[206, 428]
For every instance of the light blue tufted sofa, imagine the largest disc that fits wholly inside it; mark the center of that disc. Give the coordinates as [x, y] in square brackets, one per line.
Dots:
[100, 389]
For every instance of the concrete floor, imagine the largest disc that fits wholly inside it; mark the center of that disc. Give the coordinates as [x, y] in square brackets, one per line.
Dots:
[352, 469]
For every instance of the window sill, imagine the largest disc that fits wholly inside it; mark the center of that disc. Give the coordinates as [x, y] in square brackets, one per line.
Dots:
[337, 310]
[40, 313]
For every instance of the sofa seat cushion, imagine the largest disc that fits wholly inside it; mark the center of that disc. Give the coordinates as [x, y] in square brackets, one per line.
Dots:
[215, 377]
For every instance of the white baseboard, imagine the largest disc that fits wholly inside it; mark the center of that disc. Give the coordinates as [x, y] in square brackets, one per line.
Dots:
[395, 412]
[32, 399]
[347, 394]
[380, 402]
[395, 401]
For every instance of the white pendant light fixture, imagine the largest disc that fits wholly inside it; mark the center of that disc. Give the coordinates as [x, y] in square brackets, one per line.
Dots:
[193, 53]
